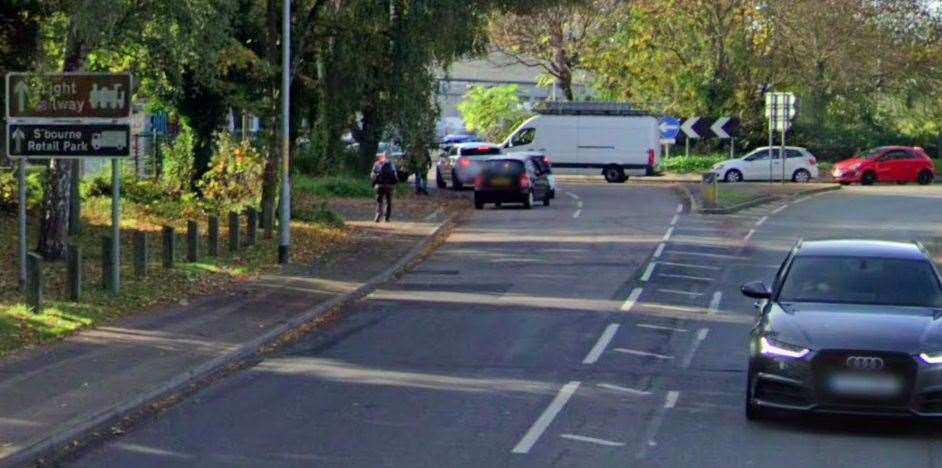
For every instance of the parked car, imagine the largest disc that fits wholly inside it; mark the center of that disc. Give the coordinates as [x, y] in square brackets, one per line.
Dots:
[452, 139]
[510, 179]
[458, 166]
[900, 164]
[800, 166]
[543, 166]
[614, 138]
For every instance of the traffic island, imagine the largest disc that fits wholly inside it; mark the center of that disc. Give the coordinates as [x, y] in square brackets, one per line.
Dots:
[725, 198]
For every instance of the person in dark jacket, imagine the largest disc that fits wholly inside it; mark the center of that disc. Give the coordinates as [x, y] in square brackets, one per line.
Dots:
[384, 177]
[419, 163]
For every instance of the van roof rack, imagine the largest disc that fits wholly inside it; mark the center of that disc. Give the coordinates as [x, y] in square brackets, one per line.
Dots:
[587, 108]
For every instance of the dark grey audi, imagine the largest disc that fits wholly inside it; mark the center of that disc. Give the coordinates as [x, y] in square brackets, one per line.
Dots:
[848, 326]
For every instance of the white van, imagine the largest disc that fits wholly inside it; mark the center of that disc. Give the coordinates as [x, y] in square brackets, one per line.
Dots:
[616, 144]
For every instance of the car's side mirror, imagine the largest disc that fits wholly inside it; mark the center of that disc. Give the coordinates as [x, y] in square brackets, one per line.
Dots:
[756, 290]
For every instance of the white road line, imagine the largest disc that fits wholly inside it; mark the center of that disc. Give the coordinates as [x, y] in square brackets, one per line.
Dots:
[632, 298]
[715, 302]
[705, 254]
[671, 399]
[635, 352]
[677, 291]
[686, 277]
[576, 214]
[655, 425]
[539, 426]
[619, 388]
[761, 221]
[691, 265]
[579, 204]
[673, 307]
[749, 235]
[601, 344]
[779, 209]
[659, 250]
[661, 327]
[434, 215]
[680, 208]
[688, 358]
[572, 195]
[592, 440]
[802, 199]
[667, 235]
[675, 219]
[648, 271]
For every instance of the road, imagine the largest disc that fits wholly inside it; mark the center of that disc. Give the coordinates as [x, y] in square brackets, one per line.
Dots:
[605, 330]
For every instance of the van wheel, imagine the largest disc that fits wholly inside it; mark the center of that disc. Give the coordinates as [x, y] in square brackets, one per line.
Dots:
[614, 174]
[438, 179]
[925, 178]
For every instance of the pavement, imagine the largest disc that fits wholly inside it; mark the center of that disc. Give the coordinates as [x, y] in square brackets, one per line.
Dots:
[52, 395]
[605, 330]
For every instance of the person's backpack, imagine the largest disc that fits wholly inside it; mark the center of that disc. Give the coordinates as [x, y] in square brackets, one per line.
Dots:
[387, 174]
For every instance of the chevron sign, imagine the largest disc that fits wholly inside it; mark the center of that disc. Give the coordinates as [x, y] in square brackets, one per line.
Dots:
[723, 128]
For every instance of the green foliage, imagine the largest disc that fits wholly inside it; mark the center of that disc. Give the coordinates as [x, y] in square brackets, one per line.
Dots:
[693, 164]
[178, 163]
[340, 186]
[234, 179]
[493, 112]
[9, 196]
[322, 214]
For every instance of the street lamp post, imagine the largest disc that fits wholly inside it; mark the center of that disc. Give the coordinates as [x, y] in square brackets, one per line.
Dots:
[284, 221]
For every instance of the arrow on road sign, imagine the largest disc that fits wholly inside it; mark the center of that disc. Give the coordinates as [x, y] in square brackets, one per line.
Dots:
[18, 137]
[687, 127]
[21, 90]
[718, 129]
[669, 127]
[702, 127]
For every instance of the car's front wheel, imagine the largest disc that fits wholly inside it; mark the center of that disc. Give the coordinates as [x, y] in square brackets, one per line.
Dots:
[732, 176]
[869, 178]
[924, 178]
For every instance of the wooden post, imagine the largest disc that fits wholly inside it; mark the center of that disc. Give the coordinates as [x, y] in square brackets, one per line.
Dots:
[34, 282]
[74, 272]
[234, 241]
[169, 243]
[192, 241]
[251, 225]
[140, 254]
[213, 248]
[107, 262]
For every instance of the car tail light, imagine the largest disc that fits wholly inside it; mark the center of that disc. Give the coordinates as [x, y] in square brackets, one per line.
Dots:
[479, 182]
[812, 161]
[525, 182]
[651, 157]
[464, 162]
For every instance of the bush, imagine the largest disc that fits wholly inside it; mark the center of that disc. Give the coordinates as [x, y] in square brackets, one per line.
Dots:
[9, 196]
[323, 215]
[692, 164]
[234, 179]
[178, 162]
[334, 186]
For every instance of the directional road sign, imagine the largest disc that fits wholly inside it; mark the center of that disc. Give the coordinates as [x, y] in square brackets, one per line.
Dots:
[687, 127]
[725, 128]
[669, 128]
[68, 141]
[69, 96]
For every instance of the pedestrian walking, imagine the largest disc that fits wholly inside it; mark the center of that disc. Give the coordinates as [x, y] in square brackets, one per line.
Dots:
[420, 162]
[384, 177]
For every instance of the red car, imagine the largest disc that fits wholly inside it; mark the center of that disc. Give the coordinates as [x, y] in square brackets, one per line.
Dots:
[900, 164]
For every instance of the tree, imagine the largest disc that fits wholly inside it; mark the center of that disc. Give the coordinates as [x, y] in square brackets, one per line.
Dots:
[553, 38]
[493, 112]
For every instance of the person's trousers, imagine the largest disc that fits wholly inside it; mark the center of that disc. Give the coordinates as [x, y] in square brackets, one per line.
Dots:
[421, 182]
[383, 201]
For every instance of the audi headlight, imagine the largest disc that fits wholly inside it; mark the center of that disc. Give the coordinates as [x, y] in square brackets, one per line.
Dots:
[771, 347]
[931, 358]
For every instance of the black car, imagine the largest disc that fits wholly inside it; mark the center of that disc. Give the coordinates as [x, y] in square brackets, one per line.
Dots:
[848, 326]
[510, 179]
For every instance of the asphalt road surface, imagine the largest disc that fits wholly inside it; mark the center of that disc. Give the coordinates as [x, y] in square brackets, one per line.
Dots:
[605, 330]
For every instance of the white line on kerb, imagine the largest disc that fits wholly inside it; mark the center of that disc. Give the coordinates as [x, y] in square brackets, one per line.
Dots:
[619, 388]
[635, 352]
[539, 426]
[671, 399]
[659, 250]
[661, 327]
[715, 302]
[749, 235]
[675, 219]
[680, 208]
[667, 235]
[688, 358]
[592, 440]
[576, 214]
[761, 221]
[648, 271]
[601, 344]
[632, 298]
[779, 209]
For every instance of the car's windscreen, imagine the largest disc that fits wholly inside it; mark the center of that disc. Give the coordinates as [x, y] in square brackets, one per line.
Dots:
[503, 168]
[871, 153]
[879, 281]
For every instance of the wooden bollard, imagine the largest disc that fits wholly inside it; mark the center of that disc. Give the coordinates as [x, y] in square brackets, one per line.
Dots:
[234, 241]
[170, 244]
[140, 254]
[251, 225]
[107, 263]
[34, 282]
[213, 247]
[192, 241]
[74, 272]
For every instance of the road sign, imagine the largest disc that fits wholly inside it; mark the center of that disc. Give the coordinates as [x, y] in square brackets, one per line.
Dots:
[669, 128]
[687, 127]
[780, 109]
[725, 127]
[69, 96]
[68, 141]
[702, 127]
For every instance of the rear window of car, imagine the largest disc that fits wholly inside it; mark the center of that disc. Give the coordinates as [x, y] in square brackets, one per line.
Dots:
[845, 280]
[503, 168]
[480, 150]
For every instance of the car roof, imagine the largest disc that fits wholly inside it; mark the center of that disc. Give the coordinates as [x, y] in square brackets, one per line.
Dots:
[475, 144]
[802, 148]
[862, 248]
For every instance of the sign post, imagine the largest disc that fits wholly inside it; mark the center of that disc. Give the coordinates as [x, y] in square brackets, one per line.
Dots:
[69, 116]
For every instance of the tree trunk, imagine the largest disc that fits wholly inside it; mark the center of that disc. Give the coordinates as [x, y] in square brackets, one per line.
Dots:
[368, 136]
[54, 217]
[270, 183]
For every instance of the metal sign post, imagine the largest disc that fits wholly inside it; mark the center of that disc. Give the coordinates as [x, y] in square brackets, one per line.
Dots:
[284, 222]
[21, 180]
[115, 226]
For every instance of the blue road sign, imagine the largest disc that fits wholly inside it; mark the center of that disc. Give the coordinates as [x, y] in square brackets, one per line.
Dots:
[669, 128]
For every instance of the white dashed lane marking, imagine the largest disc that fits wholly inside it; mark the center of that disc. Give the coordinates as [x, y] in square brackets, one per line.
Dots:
[715, 302]
[546, 418]
[632, 299]
[648, 271]
[619, 388]
[592, 440]
[601, 344]
[661, 327]
[635, 352]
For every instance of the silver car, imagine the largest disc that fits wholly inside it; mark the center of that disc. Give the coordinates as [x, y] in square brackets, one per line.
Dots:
[459, 166]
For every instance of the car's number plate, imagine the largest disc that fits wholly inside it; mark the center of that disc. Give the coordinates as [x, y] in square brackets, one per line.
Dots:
[500, 182]
[865, 385]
